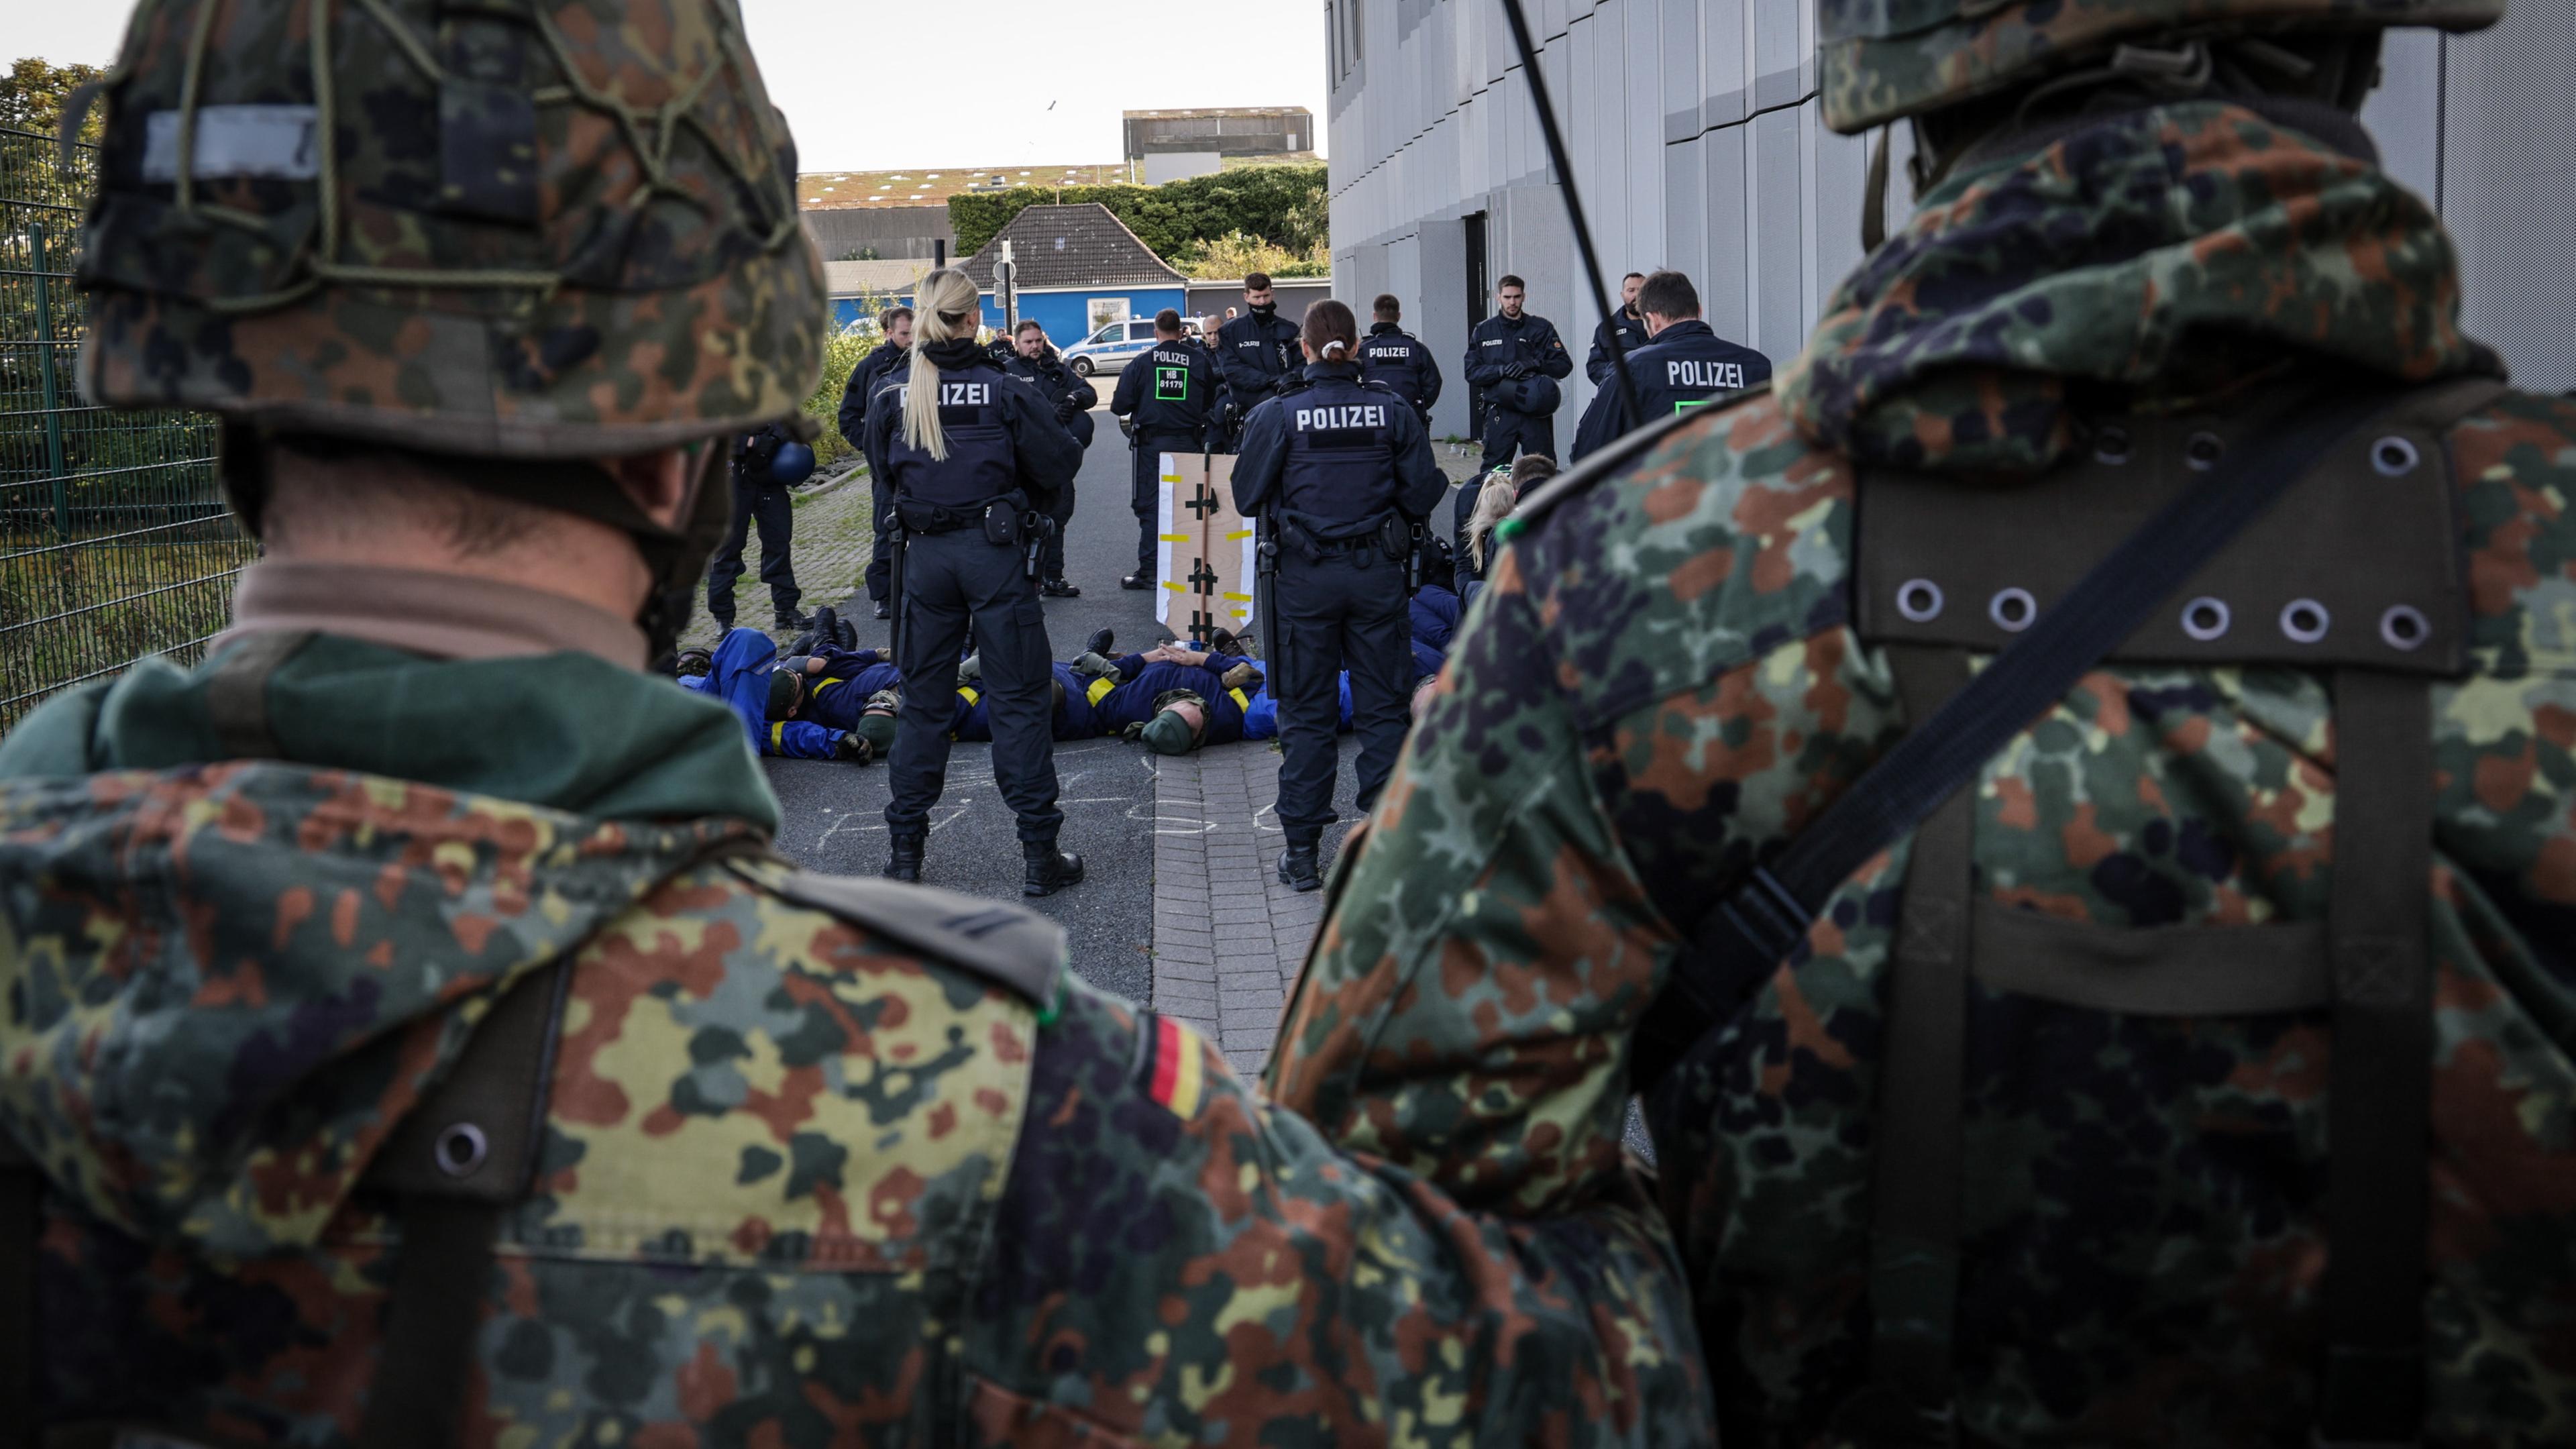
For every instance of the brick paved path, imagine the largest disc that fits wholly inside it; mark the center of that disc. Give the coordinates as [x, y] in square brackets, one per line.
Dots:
[1228, 937]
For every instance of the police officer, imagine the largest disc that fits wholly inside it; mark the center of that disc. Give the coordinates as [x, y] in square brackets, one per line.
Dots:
[975, 459]
[1507, 347]
[759, 497]
[1392, 356]
[1685, 366]
[1344, 470]
[1628, 322]
[873, 371]
[1256, 354]
[1168, 395]
[1034, 360]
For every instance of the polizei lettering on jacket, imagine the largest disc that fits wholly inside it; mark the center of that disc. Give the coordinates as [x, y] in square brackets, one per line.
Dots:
[1685, 372]
[1351, 415]
[952, 394]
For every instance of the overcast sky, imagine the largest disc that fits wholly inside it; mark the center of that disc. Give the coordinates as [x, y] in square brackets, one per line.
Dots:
[1050, 80]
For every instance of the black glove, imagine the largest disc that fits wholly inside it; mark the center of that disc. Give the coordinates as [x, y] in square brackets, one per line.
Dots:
[1516, 370]
[852, 747]
[1064, 409]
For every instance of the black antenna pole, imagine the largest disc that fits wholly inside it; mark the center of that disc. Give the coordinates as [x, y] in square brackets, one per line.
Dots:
[1573, 207]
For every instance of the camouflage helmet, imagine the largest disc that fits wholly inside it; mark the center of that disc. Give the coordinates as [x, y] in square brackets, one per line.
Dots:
[1882, 60]
[541, 229]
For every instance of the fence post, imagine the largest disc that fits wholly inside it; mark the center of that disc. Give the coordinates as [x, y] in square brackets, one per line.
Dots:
[45, 369]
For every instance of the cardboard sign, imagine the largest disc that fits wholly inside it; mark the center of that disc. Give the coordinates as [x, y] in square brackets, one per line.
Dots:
[1204, 558]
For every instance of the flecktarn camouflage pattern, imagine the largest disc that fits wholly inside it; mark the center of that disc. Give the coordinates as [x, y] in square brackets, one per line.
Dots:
[797, 1185]
[1663, 680]
[538, 228]
[1880, 60]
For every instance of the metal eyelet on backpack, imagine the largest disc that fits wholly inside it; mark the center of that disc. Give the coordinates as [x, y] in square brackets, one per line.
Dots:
[2203, 450]
[2111, 445]
[461, 1148]
[1919, 600]
[2305, 621]
[2394, 457]
[2206, 618]
[2404, 627]
[2012, 609]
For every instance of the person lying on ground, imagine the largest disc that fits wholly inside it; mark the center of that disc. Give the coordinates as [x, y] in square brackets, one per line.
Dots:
[743, 672]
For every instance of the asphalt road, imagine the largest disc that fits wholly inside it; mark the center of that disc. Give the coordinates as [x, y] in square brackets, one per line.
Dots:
[833, 814]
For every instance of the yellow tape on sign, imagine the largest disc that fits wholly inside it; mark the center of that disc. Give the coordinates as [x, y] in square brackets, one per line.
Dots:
[1240, 598]
[1173, 537]
[1239, 535]
[1175, 588]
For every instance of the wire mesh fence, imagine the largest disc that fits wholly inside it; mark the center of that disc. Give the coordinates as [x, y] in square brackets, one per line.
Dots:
[114, 541]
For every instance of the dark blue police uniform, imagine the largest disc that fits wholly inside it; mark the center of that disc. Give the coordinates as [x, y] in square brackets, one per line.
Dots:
[1343, 468]
[1170, 393]
[1632, 335]
[1686, 366]
[963, 519]
[1073, 397]
[1392, 356]
[874, 371]
[756, 500]
[1500, 343]
[1254, 355]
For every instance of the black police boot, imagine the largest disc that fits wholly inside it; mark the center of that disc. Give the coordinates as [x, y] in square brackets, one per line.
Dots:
[1050, 870]
[1298, 869]
[885, 610]
[849, 635]
[1059, 589]
[905, 861]
[1136, 580]
[1099, 642]
[790, 619]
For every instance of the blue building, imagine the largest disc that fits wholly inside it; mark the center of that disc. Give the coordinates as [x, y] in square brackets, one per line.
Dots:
[863, 289]
[1079, 268]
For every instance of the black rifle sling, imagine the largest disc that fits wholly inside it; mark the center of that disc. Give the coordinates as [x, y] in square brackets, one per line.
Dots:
[1735, 947]
[2379, 1084]
[1915, 1187]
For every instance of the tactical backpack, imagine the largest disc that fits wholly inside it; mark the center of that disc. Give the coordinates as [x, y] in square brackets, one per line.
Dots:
[2317, 535]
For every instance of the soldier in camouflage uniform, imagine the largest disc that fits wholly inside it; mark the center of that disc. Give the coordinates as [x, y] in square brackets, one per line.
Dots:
[790, 1161]
[2150, 212]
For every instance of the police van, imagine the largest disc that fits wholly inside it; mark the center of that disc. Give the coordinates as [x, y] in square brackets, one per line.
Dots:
[1108, 349]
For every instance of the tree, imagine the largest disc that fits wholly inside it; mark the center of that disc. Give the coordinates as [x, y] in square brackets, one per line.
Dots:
[1237, 254]
[34, 92]
[1282, 205]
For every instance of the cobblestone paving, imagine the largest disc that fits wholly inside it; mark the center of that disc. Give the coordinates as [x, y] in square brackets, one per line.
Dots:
[829, 548]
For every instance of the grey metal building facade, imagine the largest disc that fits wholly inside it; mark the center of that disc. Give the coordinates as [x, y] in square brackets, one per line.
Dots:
[1697, 141]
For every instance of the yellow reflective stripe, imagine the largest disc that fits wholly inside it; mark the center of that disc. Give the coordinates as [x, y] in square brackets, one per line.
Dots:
[826, 684]
[1240, 701]
[778, 737]
[968, 695]
[1098, 689]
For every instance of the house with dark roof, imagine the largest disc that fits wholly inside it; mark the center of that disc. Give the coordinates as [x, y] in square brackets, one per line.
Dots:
[1079, 272]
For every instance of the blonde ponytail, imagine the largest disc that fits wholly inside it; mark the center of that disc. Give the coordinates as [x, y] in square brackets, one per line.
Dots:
[946, 306]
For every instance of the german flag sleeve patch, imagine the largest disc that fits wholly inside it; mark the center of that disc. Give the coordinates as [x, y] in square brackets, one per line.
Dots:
[1172, 1066]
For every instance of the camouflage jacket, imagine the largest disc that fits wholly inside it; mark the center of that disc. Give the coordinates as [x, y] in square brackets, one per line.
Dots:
[1663, 680]
[798, 1184]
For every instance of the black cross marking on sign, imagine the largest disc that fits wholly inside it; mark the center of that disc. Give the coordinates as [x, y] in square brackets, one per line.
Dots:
[1203, 502]
[1201, 623]
[1203, 576]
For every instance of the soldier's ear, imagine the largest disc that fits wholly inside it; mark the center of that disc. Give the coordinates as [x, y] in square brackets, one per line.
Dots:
[658, 483]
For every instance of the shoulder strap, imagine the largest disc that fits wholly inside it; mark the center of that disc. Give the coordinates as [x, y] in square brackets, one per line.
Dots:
[1734, 948]
[1002, 944]
[237, 693]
